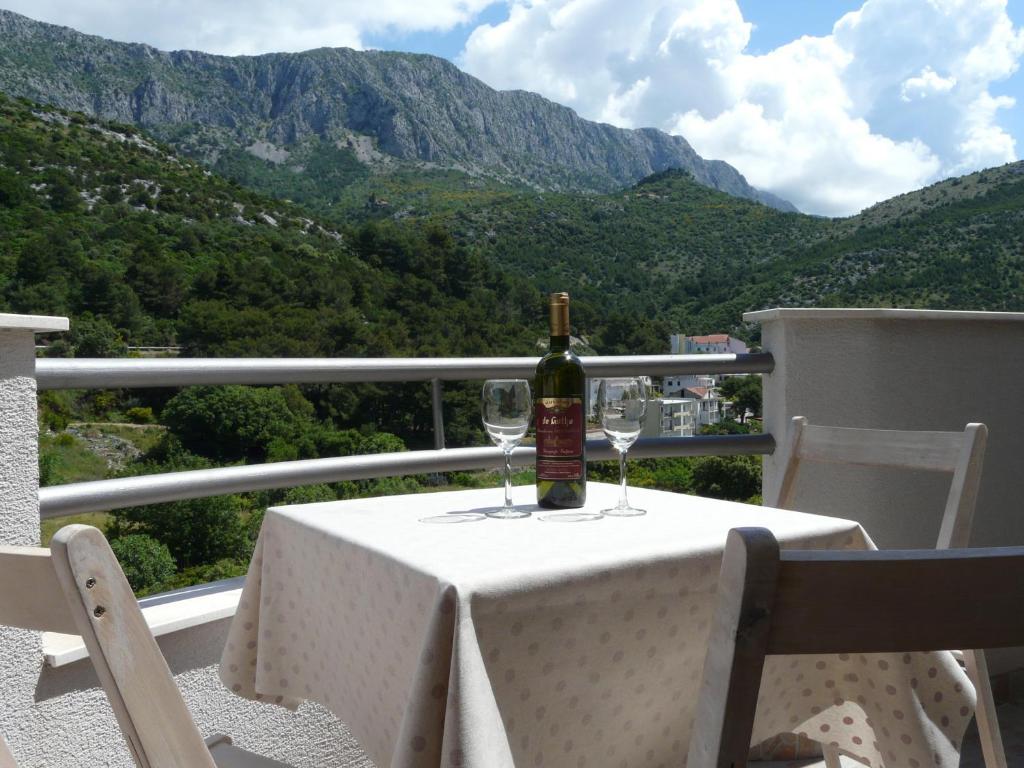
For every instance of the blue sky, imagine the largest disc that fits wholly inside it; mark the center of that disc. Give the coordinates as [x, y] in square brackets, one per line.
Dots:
[834, 117]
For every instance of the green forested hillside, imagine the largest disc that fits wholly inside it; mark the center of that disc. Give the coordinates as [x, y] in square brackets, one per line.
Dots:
[670, 253]
[99, 220]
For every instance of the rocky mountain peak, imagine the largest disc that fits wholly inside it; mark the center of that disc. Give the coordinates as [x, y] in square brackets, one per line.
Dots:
[414, 107]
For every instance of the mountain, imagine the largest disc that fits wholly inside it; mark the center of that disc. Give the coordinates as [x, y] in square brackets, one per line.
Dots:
[336, 107]
[127, 237]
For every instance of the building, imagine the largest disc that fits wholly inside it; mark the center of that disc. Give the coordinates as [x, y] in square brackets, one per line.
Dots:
[674, 386]
[671, 417]
[713, 344]
[709, 409]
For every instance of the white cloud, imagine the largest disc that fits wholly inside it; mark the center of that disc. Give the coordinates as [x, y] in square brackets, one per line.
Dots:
[927, 83]
[897, 96]
[255, 26]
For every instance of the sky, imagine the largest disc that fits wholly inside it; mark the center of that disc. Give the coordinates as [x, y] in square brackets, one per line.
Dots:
[831, 104]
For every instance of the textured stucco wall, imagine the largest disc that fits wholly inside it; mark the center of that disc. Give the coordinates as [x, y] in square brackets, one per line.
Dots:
[19, 459]
[59, 718]
[70, 725]
[920, 373]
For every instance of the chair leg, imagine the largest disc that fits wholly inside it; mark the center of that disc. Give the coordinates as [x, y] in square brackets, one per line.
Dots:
[6, 758]
[831, 756]
[988, 724]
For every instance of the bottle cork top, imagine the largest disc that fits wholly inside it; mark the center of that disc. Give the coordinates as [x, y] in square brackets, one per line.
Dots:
[559, 310]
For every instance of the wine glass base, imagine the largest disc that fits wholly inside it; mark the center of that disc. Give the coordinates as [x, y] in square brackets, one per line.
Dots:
[623, 512]
[570, 517]
[453, 518]
[507, 513]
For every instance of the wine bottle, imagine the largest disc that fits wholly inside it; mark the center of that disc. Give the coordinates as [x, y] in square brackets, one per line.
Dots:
[560, 408]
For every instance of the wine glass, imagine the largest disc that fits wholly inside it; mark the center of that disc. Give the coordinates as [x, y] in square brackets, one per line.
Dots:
[506, 406]
[621, 405]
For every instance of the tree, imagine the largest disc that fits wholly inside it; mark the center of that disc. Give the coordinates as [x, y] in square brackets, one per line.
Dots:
[736, 478]
[145, 561]
[90, 337]
[64, 197]
[196, 531]
[13, 191]
[745, 394]
[234, 422]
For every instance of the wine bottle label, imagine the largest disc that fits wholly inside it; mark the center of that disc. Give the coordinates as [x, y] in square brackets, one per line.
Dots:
[550, 469]
[559, 437]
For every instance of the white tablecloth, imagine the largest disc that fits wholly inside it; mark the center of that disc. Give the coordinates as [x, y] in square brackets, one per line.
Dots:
[531, 643]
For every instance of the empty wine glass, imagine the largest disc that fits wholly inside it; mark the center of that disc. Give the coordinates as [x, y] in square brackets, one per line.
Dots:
[621, 405]
[506, 406]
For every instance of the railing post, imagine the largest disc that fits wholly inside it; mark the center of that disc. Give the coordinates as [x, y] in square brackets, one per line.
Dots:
[19, 431]
[19, 502]
[437, 406]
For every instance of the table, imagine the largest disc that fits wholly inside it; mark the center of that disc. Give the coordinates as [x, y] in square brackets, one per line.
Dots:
[531, 643]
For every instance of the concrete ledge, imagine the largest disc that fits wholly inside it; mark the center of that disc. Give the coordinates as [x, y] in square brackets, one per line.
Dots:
[825, 313]
[36, 323]
[165, 613]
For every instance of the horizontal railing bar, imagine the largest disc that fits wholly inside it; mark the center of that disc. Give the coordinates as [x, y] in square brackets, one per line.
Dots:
[115, 373]
[102, 495]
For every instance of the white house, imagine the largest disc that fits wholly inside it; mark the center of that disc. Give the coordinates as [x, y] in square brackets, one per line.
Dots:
[671, 417]
[675, 386]
[708, 404]
[713, 344]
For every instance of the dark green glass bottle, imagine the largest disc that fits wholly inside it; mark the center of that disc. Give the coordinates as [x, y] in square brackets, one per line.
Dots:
[560, 416]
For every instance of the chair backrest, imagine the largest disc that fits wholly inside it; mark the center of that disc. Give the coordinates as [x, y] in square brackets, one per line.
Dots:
[959, 454]
[78, 587]
[812, 602]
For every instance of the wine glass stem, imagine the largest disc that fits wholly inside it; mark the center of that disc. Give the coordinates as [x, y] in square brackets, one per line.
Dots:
[508, 479]
[623, 503]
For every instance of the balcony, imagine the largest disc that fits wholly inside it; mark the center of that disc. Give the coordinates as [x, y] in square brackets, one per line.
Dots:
[867, 368]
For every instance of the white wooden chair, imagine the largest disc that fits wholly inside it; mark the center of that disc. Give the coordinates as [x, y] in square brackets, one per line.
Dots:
[827, 602]
[77, 587]
[957, 453]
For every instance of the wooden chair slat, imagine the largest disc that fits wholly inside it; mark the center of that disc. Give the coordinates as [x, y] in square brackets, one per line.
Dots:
[838, 602]
[150, 710]
[30, 595]
[958, 518]
[935, 451]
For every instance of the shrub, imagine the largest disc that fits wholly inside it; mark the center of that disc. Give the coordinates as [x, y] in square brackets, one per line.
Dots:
[196, 531]
[309, 494]
[203, 574]
[139, 415]
[727, 477]
[233, 422]
[145, 561]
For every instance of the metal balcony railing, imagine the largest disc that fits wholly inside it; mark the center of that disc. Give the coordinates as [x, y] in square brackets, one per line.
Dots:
[99, 495]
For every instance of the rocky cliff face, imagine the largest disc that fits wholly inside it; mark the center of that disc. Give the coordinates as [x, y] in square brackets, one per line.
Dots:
[415, 108]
